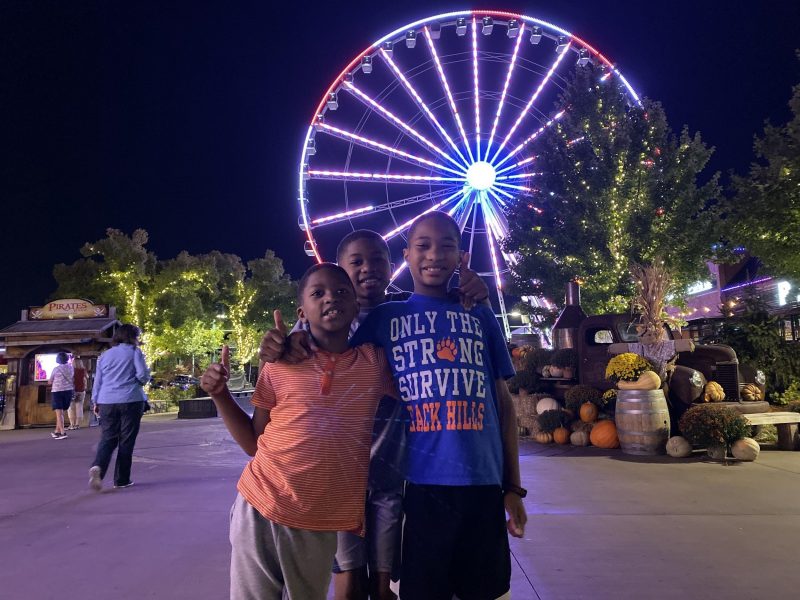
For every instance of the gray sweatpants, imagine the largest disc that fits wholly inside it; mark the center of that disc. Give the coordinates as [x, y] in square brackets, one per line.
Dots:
[274, 562]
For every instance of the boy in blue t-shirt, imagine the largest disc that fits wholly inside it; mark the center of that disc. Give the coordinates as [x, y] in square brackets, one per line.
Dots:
[462, 458]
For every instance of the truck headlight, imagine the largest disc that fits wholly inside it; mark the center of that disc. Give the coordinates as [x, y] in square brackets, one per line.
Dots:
[761, 378]
[696, 379]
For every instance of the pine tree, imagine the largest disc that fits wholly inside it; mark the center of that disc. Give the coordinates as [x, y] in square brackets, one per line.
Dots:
[616, 186]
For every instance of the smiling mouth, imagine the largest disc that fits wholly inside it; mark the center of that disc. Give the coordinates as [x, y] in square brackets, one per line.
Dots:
[332, 312]
[369, 281]
[433, 270]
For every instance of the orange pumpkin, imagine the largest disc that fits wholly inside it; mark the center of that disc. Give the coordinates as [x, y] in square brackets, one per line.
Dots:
[604, 435]
[561, 435]
[516, 352]
[588, 412]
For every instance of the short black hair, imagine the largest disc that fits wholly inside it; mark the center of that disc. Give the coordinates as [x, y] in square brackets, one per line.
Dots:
[361, 234]
[440, 216]
[126, 334]
[301, 285]
[62, 358]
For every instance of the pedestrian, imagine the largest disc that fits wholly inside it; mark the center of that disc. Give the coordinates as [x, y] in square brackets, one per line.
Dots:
[309, 437]
[462, 466]
[119, 395]
[61, 380]
[79, 396]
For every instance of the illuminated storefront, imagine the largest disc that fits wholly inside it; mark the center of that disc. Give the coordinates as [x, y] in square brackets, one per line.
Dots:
[75, 326]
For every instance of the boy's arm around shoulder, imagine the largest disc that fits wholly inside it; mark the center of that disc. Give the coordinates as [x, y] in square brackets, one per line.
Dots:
[244, 429]
[370, 329]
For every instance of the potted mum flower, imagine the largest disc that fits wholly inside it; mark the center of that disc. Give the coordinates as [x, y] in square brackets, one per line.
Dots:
[627, 367]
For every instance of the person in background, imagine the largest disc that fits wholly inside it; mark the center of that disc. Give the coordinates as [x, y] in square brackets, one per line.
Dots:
[119, 395]
[75, 411]
[61, 392]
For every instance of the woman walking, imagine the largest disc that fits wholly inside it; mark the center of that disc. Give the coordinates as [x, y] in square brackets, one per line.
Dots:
[76, 408]
[61, 392]
[117, 391]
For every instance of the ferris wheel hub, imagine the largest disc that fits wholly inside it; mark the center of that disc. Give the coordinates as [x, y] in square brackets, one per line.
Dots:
[481, 175]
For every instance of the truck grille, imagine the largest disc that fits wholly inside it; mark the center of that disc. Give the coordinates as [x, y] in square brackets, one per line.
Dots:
[727, 375]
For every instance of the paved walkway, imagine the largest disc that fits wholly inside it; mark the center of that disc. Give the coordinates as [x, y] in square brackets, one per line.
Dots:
[602, 525]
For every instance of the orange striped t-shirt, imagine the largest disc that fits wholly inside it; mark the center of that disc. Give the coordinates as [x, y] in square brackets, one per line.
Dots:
[311, 463]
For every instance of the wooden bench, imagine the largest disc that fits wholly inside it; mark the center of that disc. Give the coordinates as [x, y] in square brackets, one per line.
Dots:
[785, 423]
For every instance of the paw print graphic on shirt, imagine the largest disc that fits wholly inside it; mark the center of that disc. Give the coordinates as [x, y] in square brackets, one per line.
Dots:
[446, 349]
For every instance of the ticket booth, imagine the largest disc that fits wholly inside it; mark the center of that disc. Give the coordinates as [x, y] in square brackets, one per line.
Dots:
[75, 326]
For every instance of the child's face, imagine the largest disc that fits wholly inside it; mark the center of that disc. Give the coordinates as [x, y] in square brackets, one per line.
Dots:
[369, 269]
[328, 302]
[432, 255]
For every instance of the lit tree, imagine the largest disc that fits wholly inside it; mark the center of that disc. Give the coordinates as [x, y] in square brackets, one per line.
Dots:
[616, 186]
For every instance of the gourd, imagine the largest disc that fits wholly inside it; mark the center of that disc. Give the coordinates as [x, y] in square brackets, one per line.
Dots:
[543, 437]
[713, 392]
[745, 449]
[579, 438]
[751, 393]
[561, 435]
[588, 412]
[580, 426]
[546, 371]
[679, 447]
[546, 404]
[649, 380]
[604, 435]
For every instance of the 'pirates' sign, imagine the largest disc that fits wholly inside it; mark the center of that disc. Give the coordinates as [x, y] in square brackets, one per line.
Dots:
[69, 308]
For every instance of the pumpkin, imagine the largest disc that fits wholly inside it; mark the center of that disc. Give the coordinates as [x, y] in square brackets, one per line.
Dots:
[679, 447]
[561, 435]
[649, 380]
[546, 404]
[751, 393]
[579, 438]
[543, 437]
[588, 412]
[604, 435]
[713, 392]
[746, 449]
[557, 372]
[515, 353]
[546, 371]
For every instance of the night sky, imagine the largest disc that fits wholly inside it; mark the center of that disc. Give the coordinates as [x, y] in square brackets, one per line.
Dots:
[186, 118]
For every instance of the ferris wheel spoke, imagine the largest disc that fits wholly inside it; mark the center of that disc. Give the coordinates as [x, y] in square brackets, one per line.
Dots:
[448, 93]
[515, 165]
[372, 209]
[496, 220]
[477, 89]
[516, 176]
[533, 98]
[424, 107]
[384, 148]
[381, 177]
[392, 118]
[400, 228]
[530, 138]
[510, 71]
[512, 186]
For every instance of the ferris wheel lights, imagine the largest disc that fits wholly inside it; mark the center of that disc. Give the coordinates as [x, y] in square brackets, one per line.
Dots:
[435, 29]
[366, 64]
[487, 24]
[301, 223]
[461, 26]
[309, 248]
[513, 28]
[333, 101]
[388, 47]
[348, 78]
[561, 44]
[536, 35]
[411, 38]
[311, 147]
[583, 57]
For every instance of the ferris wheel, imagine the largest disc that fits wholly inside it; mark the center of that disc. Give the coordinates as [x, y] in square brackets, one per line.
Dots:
[440, 114]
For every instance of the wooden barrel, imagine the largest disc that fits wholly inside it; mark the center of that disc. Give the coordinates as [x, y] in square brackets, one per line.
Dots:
[642, 419]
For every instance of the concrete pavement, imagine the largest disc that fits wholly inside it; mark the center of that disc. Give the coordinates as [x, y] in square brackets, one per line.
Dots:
[602, 525]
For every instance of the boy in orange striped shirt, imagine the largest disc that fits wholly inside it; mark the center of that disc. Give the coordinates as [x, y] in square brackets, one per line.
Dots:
[310, 440]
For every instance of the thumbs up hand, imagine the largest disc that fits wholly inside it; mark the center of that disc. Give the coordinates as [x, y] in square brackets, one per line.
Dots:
[277, 344]
[215, 380]
[472, 289]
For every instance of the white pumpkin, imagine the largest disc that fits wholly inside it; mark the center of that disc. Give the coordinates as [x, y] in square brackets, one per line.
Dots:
[579, 438]
[547, 404]
[745, 449]
[679, 447]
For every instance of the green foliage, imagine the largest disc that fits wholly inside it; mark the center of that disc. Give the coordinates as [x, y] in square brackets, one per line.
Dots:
[172, 394]
[789, 397]
[616, 186]
[773, 185]
[711, 426]
[566, 357]
[550, 420]
[578, 395]
[538, 358]
[527, 380]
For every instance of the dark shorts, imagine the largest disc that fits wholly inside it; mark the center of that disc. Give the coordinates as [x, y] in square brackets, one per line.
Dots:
[61, 400]
[454, 542]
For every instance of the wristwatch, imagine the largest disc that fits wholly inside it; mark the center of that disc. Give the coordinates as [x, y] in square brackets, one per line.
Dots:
[515, 489]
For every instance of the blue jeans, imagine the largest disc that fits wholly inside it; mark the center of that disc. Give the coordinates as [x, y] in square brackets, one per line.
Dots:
[120, 426]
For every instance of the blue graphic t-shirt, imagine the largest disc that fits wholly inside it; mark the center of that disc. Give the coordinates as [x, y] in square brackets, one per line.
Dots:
[445, 361]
